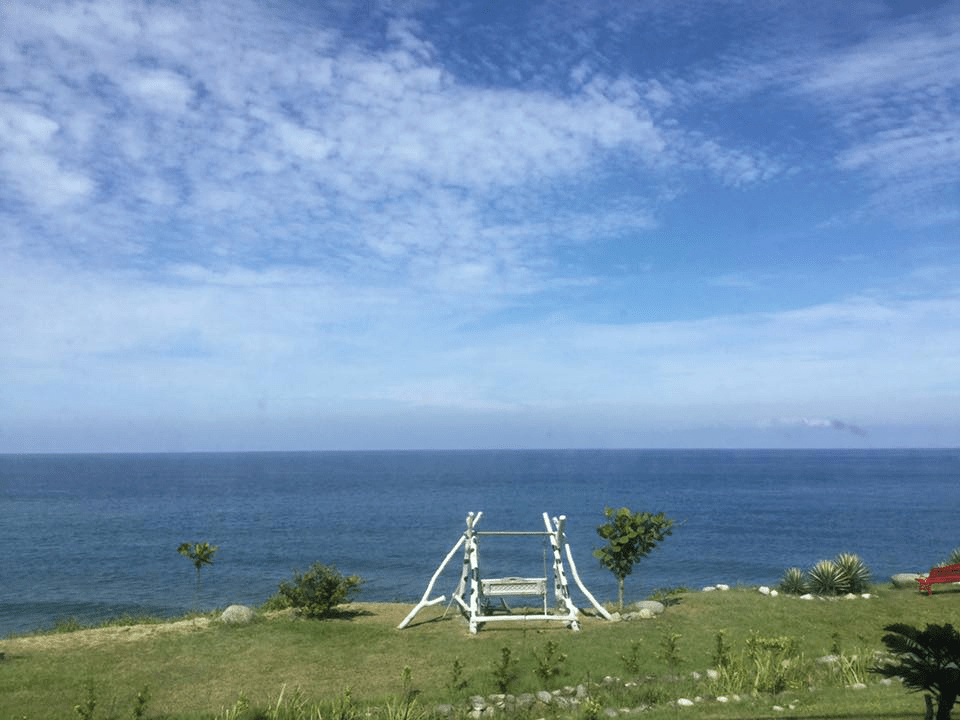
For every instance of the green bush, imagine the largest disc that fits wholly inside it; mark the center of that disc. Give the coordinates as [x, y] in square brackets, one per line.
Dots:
[318, 591]
[846, 573]
[854, 574]
[794, 582]
[824, 578]
[953, 558]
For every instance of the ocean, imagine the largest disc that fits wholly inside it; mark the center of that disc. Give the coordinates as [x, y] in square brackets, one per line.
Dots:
[89, 537]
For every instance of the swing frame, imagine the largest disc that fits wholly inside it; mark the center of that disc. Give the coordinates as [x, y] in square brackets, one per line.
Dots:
[473, 592]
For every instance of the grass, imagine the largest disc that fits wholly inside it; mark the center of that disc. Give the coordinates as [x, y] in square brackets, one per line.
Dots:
[196, 668]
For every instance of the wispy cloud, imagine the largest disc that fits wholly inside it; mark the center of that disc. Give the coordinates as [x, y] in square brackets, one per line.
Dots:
[201, 198]
[818, 424]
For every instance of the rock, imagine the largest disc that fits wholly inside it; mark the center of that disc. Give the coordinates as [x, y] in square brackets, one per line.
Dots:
[857, 686]
[905, 580]
[237, 615]
[655, 608]
[525, 700]
[721, 699]
[722, 587]
[764, 590]
[444, 710]
[544, 697]
[709, 588]
[773, 593]
[808, 596]
[684, 702]
[713, 674]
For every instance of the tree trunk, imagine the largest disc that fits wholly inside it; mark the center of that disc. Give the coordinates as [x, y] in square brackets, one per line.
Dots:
[947, 699]
[620, 594]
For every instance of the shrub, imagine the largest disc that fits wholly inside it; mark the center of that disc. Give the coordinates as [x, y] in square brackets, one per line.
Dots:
[825, 578]
[794, 582]
[319, 590]
[854, 574]
[925, 660]
[953, 558]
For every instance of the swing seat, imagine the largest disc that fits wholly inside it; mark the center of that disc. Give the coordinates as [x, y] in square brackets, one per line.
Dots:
[504, 587]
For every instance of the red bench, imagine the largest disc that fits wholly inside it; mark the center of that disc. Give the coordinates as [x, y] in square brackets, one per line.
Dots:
[943, 574]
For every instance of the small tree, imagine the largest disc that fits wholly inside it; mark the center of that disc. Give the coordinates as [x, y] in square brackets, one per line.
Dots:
[926, 660]
[319, 590]
[630, 536]
[200, 553]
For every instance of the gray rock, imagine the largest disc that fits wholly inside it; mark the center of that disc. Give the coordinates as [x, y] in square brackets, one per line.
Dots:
[525, 700]
[544, 697]
[237, 615]
[905, 580]
[653, 606]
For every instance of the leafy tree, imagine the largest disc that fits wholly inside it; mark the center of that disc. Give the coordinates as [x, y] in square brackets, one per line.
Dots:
[926, 660]
[319, 590]
[200, 553]
[630, 536]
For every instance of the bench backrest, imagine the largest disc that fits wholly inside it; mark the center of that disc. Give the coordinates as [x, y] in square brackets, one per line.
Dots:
[945, 570]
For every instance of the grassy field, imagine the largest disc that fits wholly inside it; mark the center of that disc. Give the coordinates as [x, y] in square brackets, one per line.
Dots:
[198, 668]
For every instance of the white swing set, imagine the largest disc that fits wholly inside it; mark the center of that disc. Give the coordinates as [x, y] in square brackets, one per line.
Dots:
[478, 607]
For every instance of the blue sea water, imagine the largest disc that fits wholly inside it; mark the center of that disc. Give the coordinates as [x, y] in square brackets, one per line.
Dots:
[95, 536]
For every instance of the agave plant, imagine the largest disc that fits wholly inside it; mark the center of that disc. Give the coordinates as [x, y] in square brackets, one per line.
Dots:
[825, 578]
[854, 574]
[793, 582]
[953, 559]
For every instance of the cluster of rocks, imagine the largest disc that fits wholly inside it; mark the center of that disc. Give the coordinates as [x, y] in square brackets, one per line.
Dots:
[481, 707]
[640, 610]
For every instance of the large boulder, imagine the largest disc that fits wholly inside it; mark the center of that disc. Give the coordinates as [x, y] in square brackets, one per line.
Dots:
[237, 615]
[651, 606]
[905, 580]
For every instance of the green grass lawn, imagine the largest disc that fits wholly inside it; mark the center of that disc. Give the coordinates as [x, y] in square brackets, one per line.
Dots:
[199, 668]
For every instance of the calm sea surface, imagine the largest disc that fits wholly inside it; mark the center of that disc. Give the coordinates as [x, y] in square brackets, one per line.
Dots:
[95, 536]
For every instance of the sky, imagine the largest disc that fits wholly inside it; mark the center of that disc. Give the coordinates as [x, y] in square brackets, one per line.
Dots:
[417, 224]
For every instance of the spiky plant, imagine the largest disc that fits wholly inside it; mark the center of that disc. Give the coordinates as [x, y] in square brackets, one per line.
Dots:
[793, 582]
[953, 559]
[925, 660]
[824, 578]
[854, 573]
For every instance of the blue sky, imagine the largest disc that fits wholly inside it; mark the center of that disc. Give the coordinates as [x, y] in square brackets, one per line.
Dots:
[415, 224]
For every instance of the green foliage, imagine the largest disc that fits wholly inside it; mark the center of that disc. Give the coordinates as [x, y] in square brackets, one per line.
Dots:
[319, 590]
[85, 708]
[854, 574]
[505, 670]
[721, 652]
[794, 582]
[953, 558]
[549, 661]
[926, 660]
[670, 652]
[777, 663]
[199, 553]
[668, 595]
[457, 683]
[824, 578]
[406, 706]
[630, 536]
[846, 573]
[632, 661]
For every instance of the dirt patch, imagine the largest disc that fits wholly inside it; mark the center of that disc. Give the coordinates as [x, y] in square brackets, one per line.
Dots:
[100, 636]
[378, 613]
